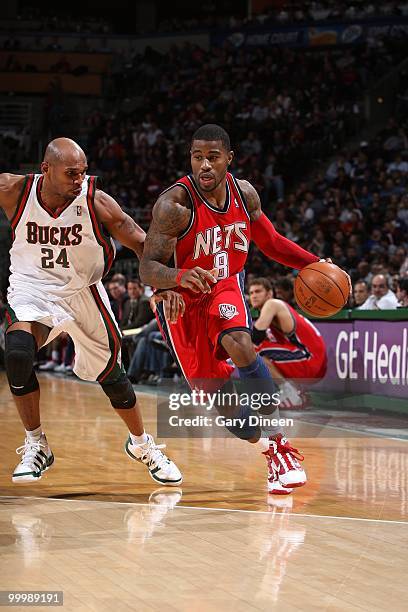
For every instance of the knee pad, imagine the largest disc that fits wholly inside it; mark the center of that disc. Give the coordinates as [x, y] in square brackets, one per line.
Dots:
[120, 392]
[19, 354]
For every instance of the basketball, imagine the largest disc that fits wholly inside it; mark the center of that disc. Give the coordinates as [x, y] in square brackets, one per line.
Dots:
[321, 289]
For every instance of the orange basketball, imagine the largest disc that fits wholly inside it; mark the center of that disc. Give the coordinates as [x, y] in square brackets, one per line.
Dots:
[321, 289]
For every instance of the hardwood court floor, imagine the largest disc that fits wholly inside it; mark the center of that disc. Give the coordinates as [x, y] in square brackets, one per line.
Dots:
[219, 542]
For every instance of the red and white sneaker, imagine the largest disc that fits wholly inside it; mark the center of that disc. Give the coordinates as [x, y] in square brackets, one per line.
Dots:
[283, 464]
[274, 486]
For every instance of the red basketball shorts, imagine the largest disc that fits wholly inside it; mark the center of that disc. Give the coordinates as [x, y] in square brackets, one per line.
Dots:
[295, 361]
[195, 339]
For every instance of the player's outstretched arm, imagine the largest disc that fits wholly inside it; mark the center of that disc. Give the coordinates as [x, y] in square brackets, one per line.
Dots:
[268, 240]
[275, 310]
[122, 227]
[10, 192]
[170, 219]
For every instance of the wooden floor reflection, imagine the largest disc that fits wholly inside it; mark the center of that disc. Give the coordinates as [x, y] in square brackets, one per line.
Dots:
[219, 542]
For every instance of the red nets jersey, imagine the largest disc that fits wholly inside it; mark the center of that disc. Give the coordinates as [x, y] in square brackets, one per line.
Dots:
[301, 354]
[215, 238]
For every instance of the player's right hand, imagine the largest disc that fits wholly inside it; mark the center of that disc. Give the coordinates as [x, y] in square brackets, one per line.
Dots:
[199, 280]
[174, 305]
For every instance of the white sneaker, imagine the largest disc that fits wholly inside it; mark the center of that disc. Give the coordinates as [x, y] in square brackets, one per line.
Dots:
[49, 366]
[36, 458]
[291, 397]
[60, 369]
[161, 469]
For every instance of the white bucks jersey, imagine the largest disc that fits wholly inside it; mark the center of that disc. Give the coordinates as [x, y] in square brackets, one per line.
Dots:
[55, 255]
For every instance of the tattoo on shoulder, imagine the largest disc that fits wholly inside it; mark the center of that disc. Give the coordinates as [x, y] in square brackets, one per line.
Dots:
[252, 199]
[169, 216]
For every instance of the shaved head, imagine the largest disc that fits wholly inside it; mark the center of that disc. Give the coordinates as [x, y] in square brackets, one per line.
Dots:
[64, 169]
[379, 285]
[65, 151]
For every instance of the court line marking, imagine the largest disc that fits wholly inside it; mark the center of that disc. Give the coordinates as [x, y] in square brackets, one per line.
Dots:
[267, 512]
[357, 432]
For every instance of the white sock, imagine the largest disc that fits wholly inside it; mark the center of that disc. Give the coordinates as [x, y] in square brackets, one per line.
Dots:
[34, 435]
[55, 356]
[139, 439]
[262, 444]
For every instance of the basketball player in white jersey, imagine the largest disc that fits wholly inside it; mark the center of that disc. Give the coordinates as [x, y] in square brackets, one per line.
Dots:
[61, 228]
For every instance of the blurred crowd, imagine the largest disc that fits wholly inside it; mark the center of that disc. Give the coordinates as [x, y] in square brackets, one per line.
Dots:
[282, 123]
[356, 212]
[286, 111]
[215, 14]
[291, 11]
[47, 19]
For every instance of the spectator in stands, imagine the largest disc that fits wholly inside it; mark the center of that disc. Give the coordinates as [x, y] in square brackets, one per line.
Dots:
[339, 163]
[381, 298]
[136, 310]
[148, 360]
[136, 314]
[360, 293]
[402, 293]
[284, 291]
[273, 179]
[118, 296]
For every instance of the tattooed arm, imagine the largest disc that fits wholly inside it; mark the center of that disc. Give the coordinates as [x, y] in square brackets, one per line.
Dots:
[118, 223]
[171, 216]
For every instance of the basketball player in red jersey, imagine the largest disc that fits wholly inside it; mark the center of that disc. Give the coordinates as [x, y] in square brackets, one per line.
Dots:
[207, 220]
[60, 252]
[292, 346]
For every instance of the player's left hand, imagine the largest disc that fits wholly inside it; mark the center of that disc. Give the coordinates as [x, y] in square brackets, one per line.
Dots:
[328, 260]
[174, 305]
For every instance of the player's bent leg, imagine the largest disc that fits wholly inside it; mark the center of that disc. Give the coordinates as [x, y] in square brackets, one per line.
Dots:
[239, 347]
[284, 470]
[36, 456]
[253, 373]
[20, 351]
[140, 446]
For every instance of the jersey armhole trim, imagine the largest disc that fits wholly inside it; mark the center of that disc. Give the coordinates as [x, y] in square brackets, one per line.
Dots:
[243, 200]
[104, 242]
[22, 201]
[190, 223]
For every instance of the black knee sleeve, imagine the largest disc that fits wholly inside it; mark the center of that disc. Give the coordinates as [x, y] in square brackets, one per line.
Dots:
[20, 351]
[120, 392]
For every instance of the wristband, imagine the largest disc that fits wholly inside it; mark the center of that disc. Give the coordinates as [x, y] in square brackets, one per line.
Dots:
[179, 275]
[258, 335]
